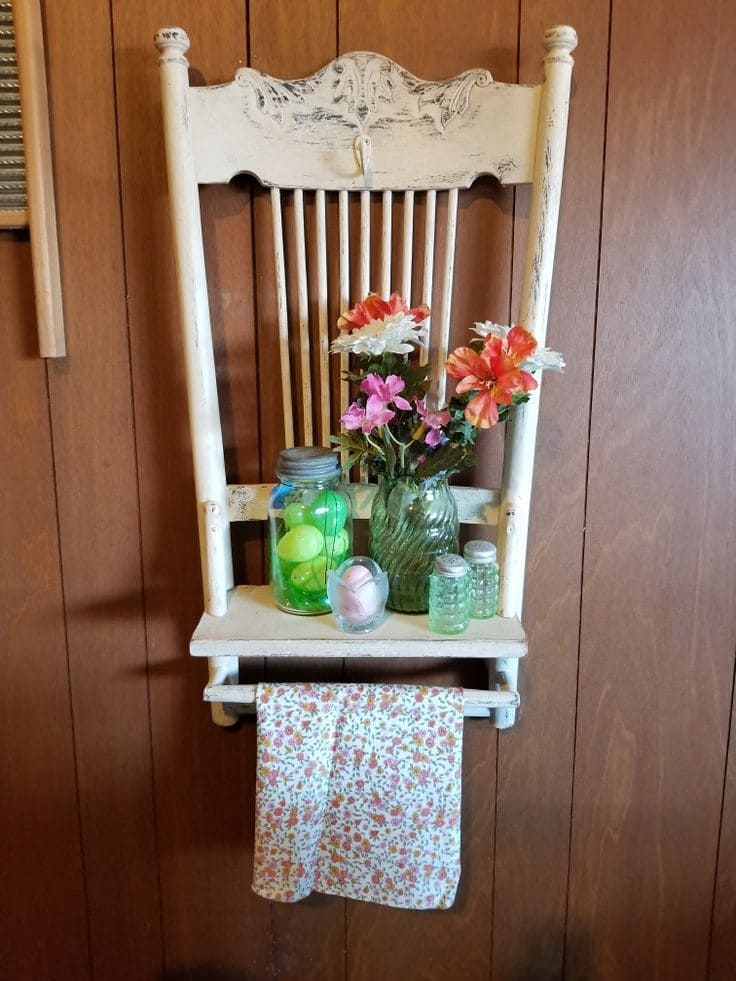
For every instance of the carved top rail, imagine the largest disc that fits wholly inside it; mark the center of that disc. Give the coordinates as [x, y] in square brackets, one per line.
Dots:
[362, 122]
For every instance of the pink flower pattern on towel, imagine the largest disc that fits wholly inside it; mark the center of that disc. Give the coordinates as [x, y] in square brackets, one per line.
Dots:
[358, 792]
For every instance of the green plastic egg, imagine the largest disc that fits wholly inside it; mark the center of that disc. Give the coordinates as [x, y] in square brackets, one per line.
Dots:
[302, 543]
[328, 512]
[336, 548]
[310, 577]
[295, 514]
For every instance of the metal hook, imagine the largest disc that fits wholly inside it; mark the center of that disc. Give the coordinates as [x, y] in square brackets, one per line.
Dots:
[363, 150]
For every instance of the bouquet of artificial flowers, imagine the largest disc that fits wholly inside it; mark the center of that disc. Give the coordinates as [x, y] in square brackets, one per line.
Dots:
[393, 423]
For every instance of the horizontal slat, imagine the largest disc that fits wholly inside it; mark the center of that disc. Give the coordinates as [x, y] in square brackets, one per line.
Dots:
[476, 703]
[475, 505]
[254, 627]
[13, 217]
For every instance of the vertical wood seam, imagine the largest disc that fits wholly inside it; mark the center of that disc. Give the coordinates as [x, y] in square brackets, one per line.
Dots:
[576, 710]
[510, 320]
[256, 331]
[70, 693]
[730, 748]
[139, 505]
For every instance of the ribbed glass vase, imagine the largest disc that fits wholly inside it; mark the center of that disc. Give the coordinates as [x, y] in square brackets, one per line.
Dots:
[411, 522]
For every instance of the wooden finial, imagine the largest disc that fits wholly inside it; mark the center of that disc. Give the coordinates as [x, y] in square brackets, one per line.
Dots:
[560, 41]
[172, 43]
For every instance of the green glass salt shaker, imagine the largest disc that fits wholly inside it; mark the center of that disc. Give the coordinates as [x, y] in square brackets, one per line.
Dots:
[481, 557]
[449, 595]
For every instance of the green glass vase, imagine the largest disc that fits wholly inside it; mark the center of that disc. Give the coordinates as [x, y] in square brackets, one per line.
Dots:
[411, 522]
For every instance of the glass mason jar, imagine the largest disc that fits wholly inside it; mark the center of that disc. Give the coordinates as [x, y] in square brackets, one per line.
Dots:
[449, 595]
[310, 528]
[411, 523]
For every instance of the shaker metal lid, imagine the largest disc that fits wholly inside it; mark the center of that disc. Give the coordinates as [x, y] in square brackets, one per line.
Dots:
[453, 566]
[308, 461]
[480, 551]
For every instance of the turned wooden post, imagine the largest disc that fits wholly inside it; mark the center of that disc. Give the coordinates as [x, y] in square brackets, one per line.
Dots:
[545, 205]
[204, 412]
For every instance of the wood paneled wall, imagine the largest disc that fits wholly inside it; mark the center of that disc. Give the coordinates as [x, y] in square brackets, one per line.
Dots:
[599, 835]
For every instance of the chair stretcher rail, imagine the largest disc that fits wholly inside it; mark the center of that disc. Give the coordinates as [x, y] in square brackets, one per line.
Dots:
[475, 701]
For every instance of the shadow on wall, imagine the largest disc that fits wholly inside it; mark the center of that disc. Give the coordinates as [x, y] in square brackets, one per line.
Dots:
[545, 946]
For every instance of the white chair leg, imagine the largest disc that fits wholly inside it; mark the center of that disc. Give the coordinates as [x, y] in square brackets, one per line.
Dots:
[223, 671]
[504, 677]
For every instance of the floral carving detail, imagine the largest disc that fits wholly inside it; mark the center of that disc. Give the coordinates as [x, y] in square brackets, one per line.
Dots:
[361, 85]
[272, 94]
[363, 80]
[445, 100]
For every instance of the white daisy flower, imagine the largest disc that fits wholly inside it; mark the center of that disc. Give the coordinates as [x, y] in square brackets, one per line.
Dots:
[488, 327]
[395, 334]
[543, 359]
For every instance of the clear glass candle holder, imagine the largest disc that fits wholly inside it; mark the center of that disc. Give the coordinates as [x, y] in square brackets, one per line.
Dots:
[357, 591]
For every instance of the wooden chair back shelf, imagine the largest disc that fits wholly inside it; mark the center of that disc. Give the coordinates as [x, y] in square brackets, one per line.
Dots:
[361, 127]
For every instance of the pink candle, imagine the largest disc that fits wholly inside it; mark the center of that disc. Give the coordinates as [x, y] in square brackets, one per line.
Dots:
[361, 600]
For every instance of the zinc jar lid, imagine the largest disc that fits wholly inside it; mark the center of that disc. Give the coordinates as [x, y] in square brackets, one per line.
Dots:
[453, 566]
[307, 462]
[480, 551]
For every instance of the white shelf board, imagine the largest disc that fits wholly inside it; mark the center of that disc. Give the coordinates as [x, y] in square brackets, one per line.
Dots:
[254, 627]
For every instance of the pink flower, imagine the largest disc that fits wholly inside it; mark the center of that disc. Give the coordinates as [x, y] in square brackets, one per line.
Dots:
[434, 421]
[386, 389]
[375, 413]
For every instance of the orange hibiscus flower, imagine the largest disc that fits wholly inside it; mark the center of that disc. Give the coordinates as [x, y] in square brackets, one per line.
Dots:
[494, 374]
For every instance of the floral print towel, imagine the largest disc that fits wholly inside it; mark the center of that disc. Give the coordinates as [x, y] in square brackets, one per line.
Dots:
[358, 793]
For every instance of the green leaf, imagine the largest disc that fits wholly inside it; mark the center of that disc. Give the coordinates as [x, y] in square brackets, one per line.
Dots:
[445, 461]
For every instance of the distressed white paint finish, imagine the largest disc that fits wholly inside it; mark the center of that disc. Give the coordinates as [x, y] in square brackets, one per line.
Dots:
[430, 217]
[204, 412]
[475, 505]
[386, 245]
[505, 677]
[322, 315]
[344, 273]
[365, 243]
[407, 251]
[215, 524]
[521, 433]
[448, 273]
[364, 122]
[361, 124]
[253, 627]
[224, 673]
[283, 316]
[303, 306]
